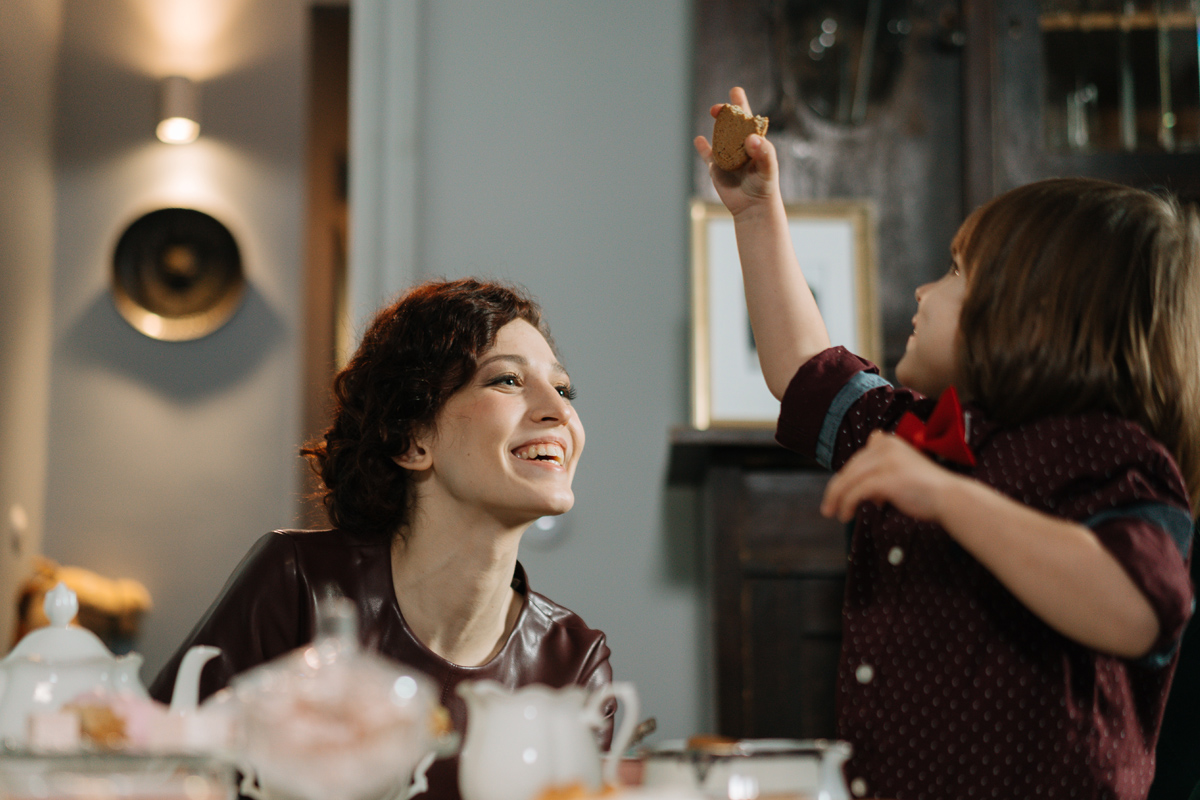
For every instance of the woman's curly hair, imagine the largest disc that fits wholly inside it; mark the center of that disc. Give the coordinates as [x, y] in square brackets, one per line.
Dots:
[415, 354]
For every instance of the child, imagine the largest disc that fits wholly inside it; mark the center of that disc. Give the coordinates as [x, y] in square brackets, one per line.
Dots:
[1013, 604]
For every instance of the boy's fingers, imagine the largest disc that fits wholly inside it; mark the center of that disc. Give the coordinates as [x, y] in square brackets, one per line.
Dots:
[716, 109]
[703, 148]
[759, 150]
[737, 96]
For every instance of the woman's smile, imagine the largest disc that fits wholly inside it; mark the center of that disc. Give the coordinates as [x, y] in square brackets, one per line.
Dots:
[548, 452]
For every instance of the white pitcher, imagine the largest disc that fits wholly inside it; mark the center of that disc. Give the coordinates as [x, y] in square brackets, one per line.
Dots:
[519, 743]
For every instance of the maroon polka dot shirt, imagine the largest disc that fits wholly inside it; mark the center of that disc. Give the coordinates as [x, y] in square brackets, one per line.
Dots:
[948, 687]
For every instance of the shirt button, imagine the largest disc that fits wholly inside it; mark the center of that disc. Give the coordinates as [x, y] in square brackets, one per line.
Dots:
[859, 787]
[865, 673]
[895, 556]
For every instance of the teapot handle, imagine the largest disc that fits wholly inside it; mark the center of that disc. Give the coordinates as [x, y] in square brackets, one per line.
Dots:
[627, 695]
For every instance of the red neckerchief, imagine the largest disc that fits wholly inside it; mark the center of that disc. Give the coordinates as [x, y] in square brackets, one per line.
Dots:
[943, 435]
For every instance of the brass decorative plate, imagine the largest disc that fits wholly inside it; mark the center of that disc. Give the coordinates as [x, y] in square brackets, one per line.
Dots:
[177, 274]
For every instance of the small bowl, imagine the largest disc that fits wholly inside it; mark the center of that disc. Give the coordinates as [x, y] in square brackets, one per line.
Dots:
[749, 768]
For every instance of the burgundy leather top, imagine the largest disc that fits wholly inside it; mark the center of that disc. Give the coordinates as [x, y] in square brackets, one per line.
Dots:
[267, 608]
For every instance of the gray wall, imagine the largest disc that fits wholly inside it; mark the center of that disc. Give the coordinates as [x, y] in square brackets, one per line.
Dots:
[553, 151]
[28, 40]
[166, 460]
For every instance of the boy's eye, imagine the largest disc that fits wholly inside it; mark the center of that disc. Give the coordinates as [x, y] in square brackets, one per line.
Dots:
[567, 391]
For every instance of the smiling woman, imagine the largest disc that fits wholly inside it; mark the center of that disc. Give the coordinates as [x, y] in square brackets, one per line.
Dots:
[453, 431]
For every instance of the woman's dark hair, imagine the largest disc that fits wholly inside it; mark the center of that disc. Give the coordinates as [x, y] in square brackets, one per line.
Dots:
[1084, 295]
[415, 354]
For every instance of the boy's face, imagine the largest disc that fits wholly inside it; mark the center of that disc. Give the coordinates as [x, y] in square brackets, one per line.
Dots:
[930, 361]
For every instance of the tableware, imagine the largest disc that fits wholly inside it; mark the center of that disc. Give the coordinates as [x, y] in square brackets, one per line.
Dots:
[53, 665]
[114, 776]
[519, 743]
[749, 768]
[330, 721]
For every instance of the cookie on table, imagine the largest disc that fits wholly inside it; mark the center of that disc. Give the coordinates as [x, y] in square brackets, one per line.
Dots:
[730, 130]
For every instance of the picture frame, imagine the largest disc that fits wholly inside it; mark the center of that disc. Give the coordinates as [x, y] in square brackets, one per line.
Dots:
[835, 245]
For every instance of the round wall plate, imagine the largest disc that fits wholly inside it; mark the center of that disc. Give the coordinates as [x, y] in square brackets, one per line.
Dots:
[177, 274]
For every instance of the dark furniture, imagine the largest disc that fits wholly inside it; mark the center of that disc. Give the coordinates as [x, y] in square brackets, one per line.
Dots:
[778, 576]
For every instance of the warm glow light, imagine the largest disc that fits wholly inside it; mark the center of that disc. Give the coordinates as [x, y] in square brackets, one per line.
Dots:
[179, 111]
[197, 38]
[178, 130]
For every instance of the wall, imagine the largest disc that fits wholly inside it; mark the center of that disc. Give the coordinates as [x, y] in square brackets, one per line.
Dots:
[551, 147]
[28, 42]
[166, 460]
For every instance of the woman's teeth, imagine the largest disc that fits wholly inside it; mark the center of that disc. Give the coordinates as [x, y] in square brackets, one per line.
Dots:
[543, 451]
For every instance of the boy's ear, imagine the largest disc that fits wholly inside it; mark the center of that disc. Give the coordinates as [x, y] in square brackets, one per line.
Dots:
[417, 457]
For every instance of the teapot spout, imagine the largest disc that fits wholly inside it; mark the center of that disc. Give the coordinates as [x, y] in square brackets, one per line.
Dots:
[186, 694]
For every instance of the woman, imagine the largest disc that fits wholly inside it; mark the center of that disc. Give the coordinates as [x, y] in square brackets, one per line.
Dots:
[453, 430]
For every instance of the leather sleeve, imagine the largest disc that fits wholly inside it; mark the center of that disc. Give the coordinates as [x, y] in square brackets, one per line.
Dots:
[596, 673]
[253, 620]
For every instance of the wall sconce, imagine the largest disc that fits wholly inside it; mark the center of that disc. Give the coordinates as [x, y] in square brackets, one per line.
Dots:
[179, 111]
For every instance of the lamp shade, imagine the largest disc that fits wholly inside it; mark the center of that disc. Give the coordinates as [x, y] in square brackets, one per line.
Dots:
[179, 111]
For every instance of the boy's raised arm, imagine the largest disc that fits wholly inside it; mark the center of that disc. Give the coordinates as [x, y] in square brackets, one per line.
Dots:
[788, 327]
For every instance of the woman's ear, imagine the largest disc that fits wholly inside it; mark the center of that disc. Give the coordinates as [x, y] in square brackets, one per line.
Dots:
[417, 457]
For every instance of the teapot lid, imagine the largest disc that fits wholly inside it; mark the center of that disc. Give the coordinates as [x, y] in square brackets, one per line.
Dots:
[60, 641]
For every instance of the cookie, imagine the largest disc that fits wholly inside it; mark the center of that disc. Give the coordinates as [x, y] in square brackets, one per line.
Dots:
[730, 130]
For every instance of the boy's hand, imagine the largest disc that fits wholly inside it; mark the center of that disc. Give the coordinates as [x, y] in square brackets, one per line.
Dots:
[753, 183]
[888, 470]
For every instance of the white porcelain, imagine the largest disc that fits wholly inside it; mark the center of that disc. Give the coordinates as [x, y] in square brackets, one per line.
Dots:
[51, 666]
[519, 743]
[330, 721]
[752, 768]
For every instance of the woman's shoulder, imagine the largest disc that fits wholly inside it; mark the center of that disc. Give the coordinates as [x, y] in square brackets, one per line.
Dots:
[323, 539]
[556, 625]
[344, 559]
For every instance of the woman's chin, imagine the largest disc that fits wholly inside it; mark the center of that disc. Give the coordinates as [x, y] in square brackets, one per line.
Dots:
[560, 505]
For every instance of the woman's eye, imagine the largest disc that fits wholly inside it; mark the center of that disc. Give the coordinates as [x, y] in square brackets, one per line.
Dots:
[567, 391]
[507, 379]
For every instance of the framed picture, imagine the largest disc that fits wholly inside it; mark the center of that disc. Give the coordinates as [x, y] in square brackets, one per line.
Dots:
[835, 245]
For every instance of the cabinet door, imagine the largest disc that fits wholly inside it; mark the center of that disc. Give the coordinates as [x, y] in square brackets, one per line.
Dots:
[1057, 89]
[779, 578]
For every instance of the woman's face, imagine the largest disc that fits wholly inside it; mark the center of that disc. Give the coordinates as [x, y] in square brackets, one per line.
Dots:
[506, 443]
[930, 361]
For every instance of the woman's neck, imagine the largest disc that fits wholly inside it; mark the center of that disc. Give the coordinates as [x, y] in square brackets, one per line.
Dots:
[453, 581]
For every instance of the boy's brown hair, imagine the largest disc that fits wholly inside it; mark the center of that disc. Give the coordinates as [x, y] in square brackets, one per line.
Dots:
[1084, 295]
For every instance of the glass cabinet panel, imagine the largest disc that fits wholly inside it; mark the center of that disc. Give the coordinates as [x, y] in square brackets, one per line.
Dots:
[1120, 76]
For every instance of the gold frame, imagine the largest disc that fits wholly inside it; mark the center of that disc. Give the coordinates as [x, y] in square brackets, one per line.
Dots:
[861, 216]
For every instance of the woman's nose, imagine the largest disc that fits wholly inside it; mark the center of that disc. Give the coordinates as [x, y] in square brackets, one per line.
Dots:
[921, 290]
[552, 406]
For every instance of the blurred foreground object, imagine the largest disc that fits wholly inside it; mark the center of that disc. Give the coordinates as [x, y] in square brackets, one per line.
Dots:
[110, 608]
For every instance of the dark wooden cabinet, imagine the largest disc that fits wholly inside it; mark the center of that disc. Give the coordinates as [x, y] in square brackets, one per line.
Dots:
[778, 577]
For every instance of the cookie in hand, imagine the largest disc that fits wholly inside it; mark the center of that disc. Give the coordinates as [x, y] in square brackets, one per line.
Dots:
[730, 130]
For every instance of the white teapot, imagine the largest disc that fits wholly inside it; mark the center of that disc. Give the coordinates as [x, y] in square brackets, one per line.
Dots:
[520, 743]
[53, 665]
